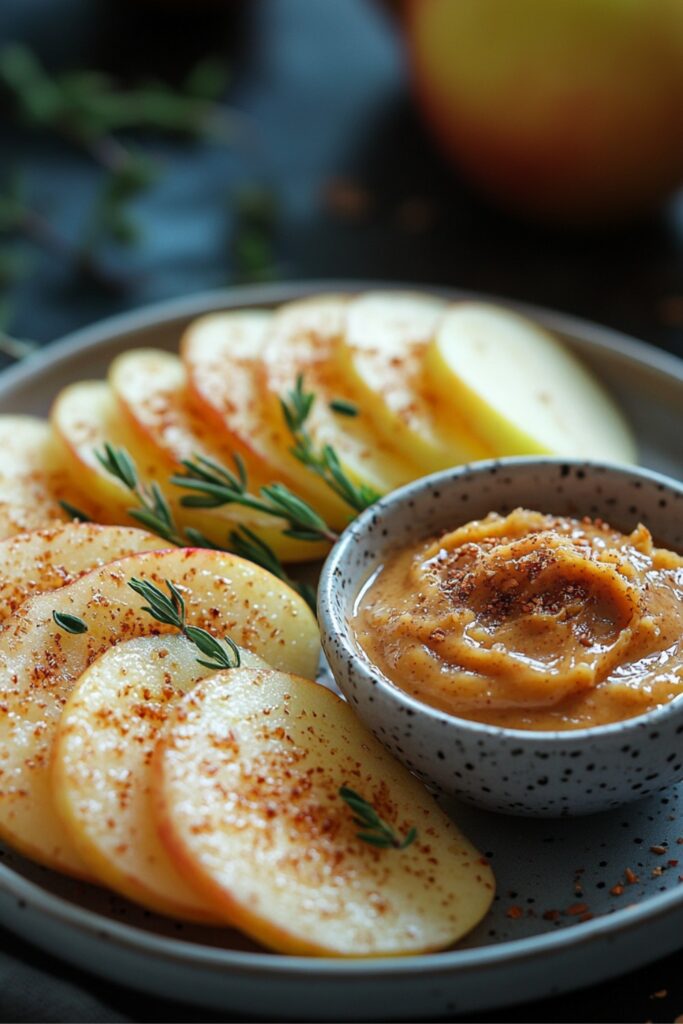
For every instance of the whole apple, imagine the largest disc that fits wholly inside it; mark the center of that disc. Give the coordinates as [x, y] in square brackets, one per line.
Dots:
[570, 110]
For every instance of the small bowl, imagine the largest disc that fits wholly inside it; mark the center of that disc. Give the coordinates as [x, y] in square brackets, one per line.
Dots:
[543, 774]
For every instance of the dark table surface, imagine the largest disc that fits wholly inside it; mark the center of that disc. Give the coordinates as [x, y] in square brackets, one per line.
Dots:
[328, 131]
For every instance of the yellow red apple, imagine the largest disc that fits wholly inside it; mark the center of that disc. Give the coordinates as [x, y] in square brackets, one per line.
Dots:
[570, 110]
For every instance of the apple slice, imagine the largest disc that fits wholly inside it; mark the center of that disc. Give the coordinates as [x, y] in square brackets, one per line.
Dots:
[31, 480]
[382, 353]
[101, 773]
[304, 340]
[43, 560]
[151, 389]
[83, 417]
[222, 354]
[39, 663]
[520, 388]
[275, 847]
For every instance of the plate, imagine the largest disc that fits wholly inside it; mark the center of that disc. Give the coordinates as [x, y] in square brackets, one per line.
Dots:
[563, 916]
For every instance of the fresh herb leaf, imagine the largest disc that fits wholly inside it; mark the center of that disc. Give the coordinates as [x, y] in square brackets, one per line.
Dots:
[170, 610]
[375, 831]
[296, 409]
[344, 408]
[74, 512]
[153, 511]
[213, 485]
[69, 623]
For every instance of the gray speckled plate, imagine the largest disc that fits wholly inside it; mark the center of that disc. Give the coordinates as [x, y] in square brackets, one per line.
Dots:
[558, 921]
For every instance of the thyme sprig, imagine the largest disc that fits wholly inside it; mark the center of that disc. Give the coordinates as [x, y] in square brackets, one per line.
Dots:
[375, 830]
[296, 410]
[88, 107]
[215, 485]
[171, 611]
[153, 511]
[155, 514]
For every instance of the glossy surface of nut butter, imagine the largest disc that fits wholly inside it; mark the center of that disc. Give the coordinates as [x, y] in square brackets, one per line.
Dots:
[530, 621]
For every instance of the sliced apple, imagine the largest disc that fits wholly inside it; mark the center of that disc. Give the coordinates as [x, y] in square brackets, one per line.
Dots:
[39, 663]
[222, 354]
[151, 389]
[31, 480]
[275, 847]
[43, 560]
[382, 352]
[304, 340]
[101, 768]
[520, 388]
[84, 416]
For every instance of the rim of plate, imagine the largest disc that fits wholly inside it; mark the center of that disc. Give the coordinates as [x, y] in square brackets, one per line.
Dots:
[71, 914]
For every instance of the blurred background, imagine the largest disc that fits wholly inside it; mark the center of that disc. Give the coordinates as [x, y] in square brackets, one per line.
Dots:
[150, 149]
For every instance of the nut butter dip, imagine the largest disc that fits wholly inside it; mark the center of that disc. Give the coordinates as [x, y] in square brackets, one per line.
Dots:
[530, 621]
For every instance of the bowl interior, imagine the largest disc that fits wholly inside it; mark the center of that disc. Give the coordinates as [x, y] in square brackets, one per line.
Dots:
[622, 495]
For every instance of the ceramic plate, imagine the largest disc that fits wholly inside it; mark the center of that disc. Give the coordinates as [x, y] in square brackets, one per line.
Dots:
[562, 917]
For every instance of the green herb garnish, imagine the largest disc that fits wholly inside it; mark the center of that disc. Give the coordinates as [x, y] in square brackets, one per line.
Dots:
[171, 611]
[296, 409]
[343, 408]
[69, 623]
[376, 831]
[153, 510]
[74, 512]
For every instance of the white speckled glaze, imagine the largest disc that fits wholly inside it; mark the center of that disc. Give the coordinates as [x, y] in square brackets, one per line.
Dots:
[544, 774]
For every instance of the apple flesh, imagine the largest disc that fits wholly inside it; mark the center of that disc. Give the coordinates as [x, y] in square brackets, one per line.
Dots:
[43, 560]
[274, 846]
[304, 341]
[101, 768]
[520, 389]
[150, 387]
[31, 479]
[39, 664]
[570, 111]
[382, 352]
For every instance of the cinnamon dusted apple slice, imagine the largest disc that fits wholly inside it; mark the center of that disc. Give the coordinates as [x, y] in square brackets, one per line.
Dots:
[302, 829]
[223, 356]
[101, 773]
[382, 352]
[31, 479]
[84, 417]
[150, 386]
[32, 563]
[520, 388]
[303, 342]
[39, 663]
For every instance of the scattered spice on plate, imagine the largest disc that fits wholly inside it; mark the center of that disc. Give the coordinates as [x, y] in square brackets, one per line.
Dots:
[576, 909]
[659, 849]
[631, 877]
[515, 912]
[617, 889]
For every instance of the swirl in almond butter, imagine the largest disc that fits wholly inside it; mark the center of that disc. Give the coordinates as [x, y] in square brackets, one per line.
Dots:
[530, 621]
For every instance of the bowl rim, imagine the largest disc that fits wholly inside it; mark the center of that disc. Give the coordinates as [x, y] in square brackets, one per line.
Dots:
[336, 625]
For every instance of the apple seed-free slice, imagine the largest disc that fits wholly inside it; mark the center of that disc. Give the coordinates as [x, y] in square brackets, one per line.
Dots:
[248, 773]
[42, 560]
[39, 663]
[101, 768]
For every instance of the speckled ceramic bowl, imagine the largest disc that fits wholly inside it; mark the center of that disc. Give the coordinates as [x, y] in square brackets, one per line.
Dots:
[520, 772]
